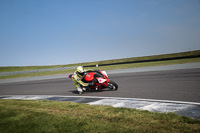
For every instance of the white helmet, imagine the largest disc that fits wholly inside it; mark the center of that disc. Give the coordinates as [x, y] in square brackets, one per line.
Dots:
[80, 70]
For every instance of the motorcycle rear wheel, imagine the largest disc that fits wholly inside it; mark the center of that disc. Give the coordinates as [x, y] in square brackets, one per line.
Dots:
[112, 85]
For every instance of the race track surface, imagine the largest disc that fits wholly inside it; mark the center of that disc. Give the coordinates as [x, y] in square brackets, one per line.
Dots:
[176, 85]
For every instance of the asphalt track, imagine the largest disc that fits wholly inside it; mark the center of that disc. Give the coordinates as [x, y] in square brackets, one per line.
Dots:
[175, 85]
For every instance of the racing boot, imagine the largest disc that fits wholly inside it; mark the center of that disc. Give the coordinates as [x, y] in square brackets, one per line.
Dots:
[79, 89]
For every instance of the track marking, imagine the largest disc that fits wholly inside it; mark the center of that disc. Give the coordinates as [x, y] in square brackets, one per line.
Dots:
[190, 109]
[121, 98]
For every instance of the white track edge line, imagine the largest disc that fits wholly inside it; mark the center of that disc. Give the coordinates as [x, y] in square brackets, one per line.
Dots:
[121, 98]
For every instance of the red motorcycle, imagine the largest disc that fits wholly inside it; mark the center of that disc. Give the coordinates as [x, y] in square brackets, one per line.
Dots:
[99, 80]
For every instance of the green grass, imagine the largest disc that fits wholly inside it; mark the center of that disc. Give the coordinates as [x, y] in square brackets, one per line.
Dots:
[38, 74]
[22, 116]
[147, 64]
[110, 67]
[164, 56]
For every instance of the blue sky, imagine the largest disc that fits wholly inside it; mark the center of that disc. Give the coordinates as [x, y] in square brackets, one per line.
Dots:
[54, 32]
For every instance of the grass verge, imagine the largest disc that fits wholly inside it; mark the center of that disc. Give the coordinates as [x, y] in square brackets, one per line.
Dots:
[51, 116]
[164, 56]
[110, 67]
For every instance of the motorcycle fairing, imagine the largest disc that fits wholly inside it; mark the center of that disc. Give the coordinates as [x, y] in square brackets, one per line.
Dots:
[89, 76]
[101, 80]
[104, 73]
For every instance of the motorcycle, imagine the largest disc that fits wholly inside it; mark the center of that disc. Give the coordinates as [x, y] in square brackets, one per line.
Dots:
[99, 80]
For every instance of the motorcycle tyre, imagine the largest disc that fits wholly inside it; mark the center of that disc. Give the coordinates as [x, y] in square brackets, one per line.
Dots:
[112, 83]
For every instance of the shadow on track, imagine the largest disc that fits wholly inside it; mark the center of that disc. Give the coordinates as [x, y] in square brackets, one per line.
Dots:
[91, 91]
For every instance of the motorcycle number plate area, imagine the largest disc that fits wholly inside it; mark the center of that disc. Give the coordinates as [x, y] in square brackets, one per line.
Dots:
[101, 80]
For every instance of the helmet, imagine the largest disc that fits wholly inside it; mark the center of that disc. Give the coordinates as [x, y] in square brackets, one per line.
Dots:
[80, 71]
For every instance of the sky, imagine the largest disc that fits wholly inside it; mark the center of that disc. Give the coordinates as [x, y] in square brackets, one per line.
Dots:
[57, 32]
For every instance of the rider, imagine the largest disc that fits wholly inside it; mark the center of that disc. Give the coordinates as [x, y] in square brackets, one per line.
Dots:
[78, 76]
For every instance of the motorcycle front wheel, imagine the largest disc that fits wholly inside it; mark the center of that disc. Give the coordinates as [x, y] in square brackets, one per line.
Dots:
[112, 85]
